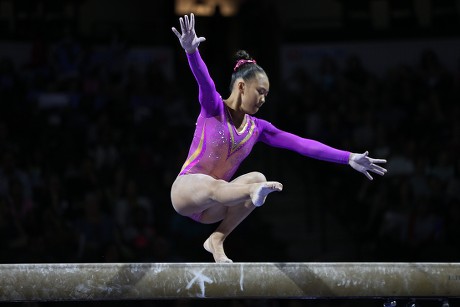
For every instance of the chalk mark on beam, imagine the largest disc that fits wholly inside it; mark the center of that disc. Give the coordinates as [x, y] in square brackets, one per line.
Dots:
[146, 281]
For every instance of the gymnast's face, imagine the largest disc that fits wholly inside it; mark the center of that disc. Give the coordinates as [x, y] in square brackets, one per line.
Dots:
[254, 92]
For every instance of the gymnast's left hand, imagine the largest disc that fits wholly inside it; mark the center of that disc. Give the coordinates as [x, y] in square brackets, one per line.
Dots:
[364, 164]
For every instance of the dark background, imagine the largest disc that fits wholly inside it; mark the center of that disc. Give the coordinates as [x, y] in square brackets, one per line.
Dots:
[90, 142]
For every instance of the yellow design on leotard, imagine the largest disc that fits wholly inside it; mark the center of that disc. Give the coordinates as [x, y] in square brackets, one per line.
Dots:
[235, 146]
[197, 150]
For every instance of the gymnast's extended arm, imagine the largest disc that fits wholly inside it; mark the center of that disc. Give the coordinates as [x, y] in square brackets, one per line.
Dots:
[275, 137]
[208, 96]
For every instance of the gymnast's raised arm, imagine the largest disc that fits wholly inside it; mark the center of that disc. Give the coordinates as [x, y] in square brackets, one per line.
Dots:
[208, 96]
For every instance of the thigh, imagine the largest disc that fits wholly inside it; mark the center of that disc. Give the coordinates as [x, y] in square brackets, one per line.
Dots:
[213, 214]
[252, 177]
[216, 213]
[191, 193]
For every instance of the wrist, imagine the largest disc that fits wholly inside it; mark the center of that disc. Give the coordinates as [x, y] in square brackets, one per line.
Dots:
[190, 51]
[350, 157]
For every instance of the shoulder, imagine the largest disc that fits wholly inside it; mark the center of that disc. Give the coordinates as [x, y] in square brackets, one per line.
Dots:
[262, 124]
[262, 127]
[212, 105]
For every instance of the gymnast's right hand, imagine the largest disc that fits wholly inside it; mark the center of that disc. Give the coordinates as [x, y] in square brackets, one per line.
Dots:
[188, 39]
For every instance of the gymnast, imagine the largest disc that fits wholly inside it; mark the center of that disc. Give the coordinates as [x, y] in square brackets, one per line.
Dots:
[225, 133]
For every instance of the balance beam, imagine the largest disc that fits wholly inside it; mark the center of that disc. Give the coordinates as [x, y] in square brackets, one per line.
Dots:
[149, 281]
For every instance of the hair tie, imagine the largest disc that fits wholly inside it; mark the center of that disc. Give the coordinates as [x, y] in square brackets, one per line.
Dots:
[242, 62]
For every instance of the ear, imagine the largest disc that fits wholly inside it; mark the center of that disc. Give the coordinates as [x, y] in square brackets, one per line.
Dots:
[241, 86]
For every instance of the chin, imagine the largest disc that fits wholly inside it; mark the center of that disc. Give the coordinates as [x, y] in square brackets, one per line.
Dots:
[253, 111]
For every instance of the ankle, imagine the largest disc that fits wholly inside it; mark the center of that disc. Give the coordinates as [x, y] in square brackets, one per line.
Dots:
[217, 237]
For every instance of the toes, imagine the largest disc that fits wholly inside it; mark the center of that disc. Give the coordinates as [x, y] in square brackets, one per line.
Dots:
[278, 186]
[224, 260]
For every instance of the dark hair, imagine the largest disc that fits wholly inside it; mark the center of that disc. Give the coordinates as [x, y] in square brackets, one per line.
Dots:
[247, 70]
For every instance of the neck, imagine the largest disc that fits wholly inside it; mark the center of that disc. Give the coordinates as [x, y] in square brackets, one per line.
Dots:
[234, 107]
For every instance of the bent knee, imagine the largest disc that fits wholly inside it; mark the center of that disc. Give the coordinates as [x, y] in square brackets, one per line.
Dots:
[211, 193]
[255, 177]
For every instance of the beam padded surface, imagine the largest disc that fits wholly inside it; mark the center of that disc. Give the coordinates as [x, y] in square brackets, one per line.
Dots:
[145, 281]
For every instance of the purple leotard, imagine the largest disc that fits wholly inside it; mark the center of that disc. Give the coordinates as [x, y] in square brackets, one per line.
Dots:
[218, 148]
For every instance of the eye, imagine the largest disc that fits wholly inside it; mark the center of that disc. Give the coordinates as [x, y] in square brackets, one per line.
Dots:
[262, 92]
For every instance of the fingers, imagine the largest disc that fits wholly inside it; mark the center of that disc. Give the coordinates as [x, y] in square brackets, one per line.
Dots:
[371, 160]
[366, 173]
[176, 32]
[377, 171]
[201, 39]
[377, 160]
[192, 21]
[379, 168]
[187, 23]
[182, 25]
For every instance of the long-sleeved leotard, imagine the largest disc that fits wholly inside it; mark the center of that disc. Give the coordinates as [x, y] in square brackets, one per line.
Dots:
[217, 147]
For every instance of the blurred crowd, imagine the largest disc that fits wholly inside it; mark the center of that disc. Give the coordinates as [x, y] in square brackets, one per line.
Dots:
[408, 116]
[89, 147]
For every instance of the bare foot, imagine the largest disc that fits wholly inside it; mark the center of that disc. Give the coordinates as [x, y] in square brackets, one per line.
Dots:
[216, 248]
[261, 190]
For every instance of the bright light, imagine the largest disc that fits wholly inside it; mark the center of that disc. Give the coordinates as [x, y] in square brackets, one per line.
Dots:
[207, 7]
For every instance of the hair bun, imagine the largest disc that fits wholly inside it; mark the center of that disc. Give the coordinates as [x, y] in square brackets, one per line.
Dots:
[242, 55]
[242, 58]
